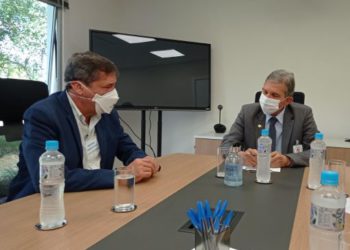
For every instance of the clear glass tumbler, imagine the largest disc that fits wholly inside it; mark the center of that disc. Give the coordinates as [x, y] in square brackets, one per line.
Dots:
[124, 190]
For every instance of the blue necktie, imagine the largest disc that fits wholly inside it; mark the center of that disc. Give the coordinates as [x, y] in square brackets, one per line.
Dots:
[272, 132]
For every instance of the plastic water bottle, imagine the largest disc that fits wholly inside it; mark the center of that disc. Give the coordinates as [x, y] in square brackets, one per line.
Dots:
[317, 161]
[327, 215]
[233, 169]
[263, 173]
[52, 214]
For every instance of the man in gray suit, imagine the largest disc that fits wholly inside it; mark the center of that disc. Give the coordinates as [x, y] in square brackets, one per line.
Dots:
[291, 125]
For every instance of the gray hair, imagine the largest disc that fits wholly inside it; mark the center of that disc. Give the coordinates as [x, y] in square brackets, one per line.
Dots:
[86, 66]
[285, 77]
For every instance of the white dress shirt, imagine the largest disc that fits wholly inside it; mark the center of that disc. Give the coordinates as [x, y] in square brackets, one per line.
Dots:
[90, 146]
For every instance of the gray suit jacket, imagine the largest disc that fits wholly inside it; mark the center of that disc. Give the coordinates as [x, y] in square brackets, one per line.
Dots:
[298, 124]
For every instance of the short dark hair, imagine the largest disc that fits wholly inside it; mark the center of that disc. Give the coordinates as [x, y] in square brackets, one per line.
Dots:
[86, 66]
[285, 77]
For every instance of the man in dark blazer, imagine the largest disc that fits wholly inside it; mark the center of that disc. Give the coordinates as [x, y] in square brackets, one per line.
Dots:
[294, 124]
[87, 127]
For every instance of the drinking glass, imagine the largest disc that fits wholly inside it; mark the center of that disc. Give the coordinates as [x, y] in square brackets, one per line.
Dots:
[222, 152]
[338, 166]
[124, 190]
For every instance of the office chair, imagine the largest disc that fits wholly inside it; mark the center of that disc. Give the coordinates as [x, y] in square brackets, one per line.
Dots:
[298, 97]
[15, 97]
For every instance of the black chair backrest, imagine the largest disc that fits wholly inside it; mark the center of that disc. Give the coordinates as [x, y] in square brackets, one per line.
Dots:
[15, 97]
[298, 97]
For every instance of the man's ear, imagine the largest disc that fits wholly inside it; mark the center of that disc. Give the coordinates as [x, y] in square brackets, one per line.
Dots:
[289, 100]
[286, 101]
[76, 87]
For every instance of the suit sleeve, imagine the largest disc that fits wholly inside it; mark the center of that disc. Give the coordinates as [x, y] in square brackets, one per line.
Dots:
[38, 128]
[127, 151]
[309, 130]
[236, 134]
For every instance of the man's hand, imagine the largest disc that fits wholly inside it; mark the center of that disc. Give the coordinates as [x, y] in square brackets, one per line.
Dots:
[144, 168]
[250, 157]
[279, 160]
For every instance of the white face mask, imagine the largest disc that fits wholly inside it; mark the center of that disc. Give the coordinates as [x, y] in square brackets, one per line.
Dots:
[103, 103]
[268, 105]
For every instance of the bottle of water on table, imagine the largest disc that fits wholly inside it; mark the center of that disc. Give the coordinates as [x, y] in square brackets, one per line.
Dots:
[317, 161]
[52, 214]
[233, 168]
[327, 214]
[263, 173]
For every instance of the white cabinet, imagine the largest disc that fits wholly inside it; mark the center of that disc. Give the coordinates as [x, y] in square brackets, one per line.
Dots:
[208, 143]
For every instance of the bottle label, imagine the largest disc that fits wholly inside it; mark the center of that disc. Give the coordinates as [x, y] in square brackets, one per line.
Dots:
[331, 219]
[51, 172]
[317, 153]
[231, 170]
[264, 148]
[49, 190]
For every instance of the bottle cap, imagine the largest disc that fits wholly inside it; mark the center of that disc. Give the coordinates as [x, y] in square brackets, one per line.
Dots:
[51, 145]
[265, 132]
[319, 136]
[329, 178]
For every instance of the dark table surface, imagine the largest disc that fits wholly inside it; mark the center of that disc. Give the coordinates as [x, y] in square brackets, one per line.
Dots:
[267, 221]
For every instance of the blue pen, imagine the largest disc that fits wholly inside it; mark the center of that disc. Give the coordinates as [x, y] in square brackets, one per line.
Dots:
[193, 218]
[227, 221]
[216, 226]
[217, 219]
[201, 216]
[200, 210]
[222, 210]
[209, 215]
[217, 208]
[203, 223]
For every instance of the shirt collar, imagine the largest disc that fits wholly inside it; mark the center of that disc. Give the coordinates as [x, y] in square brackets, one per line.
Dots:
[77, 113]
[75, 109]
[279, 117]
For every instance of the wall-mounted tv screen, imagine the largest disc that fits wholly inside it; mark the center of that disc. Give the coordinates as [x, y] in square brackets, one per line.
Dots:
[157, 73]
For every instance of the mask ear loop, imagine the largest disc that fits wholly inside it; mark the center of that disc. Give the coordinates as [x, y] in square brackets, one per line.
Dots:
[285, 99]
[76, 95]
[81, 97]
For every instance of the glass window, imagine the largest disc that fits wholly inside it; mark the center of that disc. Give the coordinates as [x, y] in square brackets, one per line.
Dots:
[28, 50]
[27, 39]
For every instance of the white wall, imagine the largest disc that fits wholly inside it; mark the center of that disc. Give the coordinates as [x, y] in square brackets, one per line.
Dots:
[249, 39]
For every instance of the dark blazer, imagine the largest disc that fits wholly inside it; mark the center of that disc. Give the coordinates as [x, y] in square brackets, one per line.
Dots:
[53, 119]
[298, 124]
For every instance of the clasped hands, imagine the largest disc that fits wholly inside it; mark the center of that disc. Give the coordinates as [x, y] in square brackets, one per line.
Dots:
[144, 168]
[277, 159]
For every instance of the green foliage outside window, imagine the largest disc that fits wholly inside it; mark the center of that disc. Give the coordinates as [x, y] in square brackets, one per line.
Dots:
[23, 39]
[8, 163]
[23, 54]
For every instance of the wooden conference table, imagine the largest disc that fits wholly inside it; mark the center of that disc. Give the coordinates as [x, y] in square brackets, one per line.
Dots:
[90, 219]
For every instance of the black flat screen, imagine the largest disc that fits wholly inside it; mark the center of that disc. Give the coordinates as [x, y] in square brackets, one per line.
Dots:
[150, 77]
